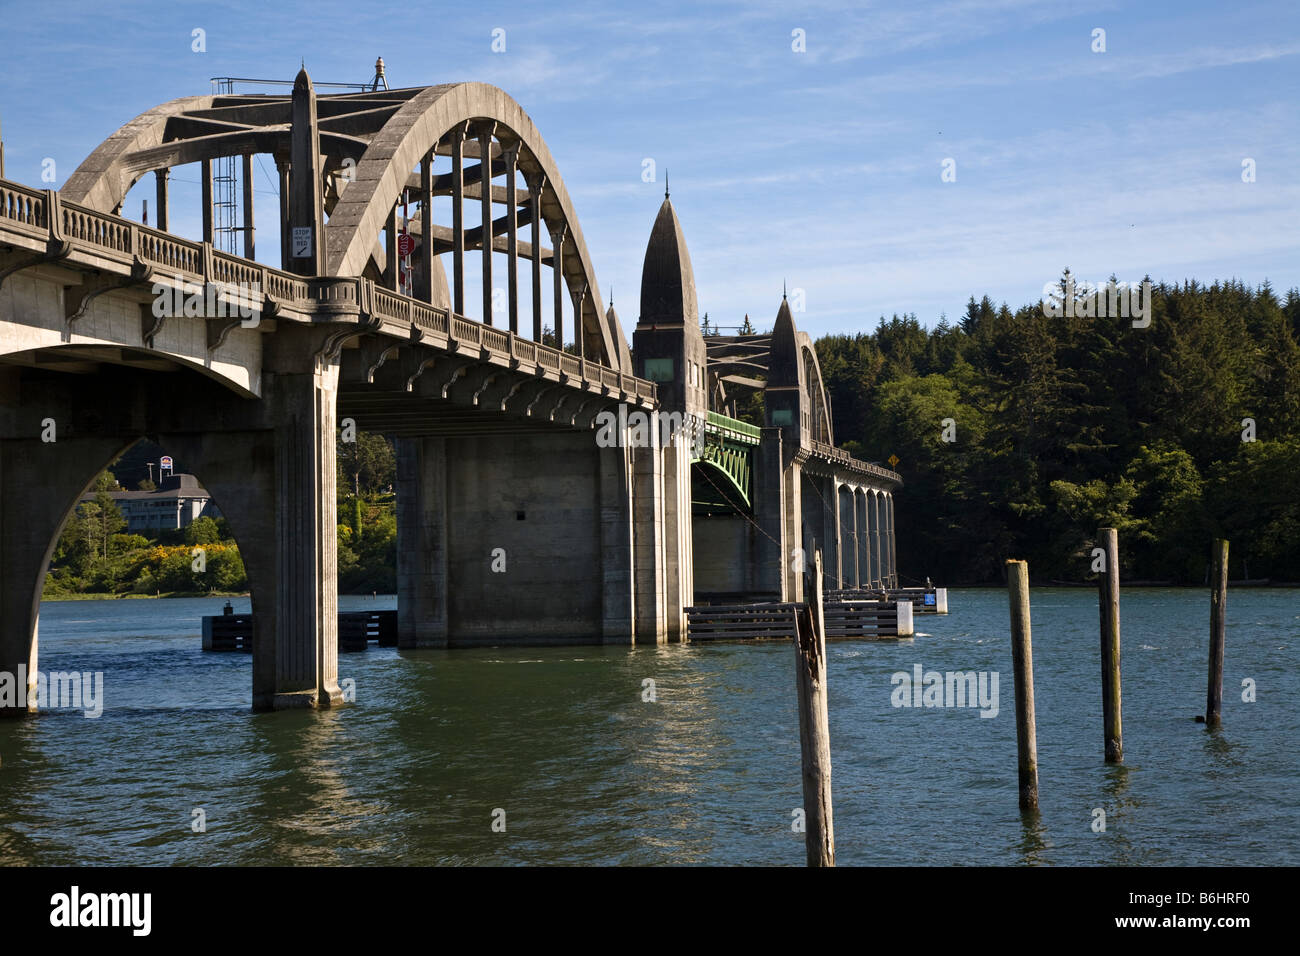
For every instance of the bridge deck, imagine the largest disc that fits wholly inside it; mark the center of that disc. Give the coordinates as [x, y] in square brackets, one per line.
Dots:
[41, 227]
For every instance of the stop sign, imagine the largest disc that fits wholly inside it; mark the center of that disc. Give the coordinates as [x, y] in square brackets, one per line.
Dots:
[405, 245]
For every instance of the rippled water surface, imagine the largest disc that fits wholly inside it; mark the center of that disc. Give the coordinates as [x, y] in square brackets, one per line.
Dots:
[588, 772]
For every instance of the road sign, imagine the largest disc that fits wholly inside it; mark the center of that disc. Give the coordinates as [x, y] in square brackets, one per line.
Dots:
[893, 461]
[405, 245]
[302, 242]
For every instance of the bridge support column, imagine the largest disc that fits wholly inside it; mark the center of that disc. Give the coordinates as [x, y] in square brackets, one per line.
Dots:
[809, 517]
[769, 513]
[678, 547]
[649, 504]
[848, 536]
[881, 579]
[40, 483]
[829, 504]
[618, 621]
[792, 533]
[892, 544]
[867, 570]
[295, 626]
[306, 612]
[421, 542]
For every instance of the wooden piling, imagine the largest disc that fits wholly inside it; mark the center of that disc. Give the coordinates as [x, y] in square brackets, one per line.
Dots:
[814, 721]
[1022, 658]
[1218, 601]
[1108, 603]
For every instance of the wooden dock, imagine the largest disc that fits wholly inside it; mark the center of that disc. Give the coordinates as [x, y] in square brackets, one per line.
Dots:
[861, 620]
[924, 600]
[357, 631]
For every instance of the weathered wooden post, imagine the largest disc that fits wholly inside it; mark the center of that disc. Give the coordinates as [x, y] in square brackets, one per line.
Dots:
[1218, 600]
[1108, 602]
[814, 721]
[1022, 659]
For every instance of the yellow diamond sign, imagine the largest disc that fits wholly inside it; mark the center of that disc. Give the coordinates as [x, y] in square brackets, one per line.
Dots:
[893, 461]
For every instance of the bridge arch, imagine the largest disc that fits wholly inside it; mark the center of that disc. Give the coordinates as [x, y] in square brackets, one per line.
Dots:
[51, 353]
[415, 130]
[721, 485]
[819, 408]
[386, 134]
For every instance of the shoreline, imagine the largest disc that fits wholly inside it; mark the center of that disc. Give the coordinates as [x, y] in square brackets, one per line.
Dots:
[1136, 585]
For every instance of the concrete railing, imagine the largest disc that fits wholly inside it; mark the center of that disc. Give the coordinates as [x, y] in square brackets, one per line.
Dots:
[23, 206]
[28, 211]
[839, 456]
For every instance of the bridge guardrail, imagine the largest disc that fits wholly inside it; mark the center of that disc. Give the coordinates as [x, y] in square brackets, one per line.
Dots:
[23, 206]
[28, 211]
[836, 454]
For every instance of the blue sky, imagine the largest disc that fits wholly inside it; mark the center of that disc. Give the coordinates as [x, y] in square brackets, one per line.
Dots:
[819, 168]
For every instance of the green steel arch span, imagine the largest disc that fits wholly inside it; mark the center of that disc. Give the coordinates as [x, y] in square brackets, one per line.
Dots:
[727, 452]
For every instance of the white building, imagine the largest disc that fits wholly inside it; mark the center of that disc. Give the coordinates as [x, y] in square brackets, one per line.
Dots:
[175, 504]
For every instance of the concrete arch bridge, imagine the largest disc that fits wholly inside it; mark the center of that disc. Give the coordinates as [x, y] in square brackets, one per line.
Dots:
[111, 330]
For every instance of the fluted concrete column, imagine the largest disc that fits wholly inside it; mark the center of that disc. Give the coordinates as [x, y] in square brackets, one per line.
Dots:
[832, 550]
[893, 544]
[793, 545]
[848, 570]
[421, 542]
[618, 556]
[854, 575]
[770, 551]
[306, 539]
[679, 570]
[877, 516]
[648, 545]
[859, 506]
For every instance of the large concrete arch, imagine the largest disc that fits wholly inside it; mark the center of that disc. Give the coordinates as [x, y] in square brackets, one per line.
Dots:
[410, 134]
[105, 176]
[190, 129]
[387, 142]
[814, 386]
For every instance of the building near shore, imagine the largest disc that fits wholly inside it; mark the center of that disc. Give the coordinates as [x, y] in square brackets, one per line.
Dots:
[178, 500]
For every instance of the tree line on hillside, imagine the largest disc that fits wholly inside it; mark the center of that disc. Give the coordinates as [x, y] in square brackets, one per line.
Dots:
[1019, 434]
[1175, 434]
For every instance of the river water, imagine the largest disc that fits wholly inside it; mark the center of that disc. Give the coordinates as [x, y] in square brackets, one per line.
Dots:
[560, 745]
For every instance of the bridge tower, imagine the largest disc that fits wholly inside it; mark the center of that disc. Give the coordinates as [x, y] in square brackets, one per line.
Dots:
[786, 400]
[667, 345]
[668, 349]
[779, 498]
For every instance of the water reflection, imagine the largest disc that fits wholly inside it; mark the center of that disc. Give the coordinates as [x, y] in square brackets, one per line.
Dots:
[1033, 845]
